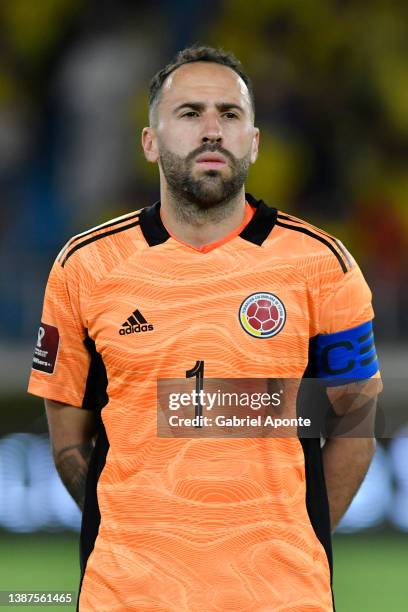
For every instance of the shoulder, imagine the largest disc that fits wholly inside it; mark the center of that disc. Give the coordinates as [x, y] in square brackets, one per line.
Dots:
[103, 245]
[310, 245]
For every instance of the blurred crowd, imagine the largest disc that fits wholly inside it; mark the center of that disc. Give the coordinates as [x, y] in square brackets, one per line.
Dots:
[331, 85]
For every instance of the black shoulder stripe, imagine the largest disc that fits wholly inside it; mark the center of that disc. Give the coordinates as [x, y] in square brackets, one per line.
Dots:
[95, 229]
[312, 229]
[97, 237]
[321, 239]
[346, 255]
[319, 231]
[322, 233]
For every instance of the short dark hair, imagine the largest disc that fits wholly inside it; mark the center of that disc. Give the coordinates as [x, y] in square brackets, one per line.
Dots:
[198, 53]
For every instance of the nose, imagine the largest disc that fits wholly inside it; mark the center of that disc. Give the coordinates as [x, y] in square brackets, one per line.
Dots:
[212, 129]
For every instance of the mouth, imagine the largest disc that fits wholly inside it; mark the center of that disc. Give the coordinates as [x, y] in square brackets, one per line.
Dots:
[211, 161]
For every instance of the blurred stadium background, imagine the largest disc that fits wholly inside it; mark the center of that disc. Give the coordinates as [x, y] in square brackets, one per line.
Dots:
[331, 82]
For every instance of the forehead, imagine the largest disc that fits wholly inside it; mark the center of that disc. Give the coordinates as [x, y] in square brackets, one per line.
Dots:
[204, 81]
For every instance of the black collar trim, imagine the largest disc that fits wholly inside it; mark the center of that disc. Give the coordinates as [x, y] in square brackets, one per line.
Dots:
[261, 224]
[152, 226]
[257, 230]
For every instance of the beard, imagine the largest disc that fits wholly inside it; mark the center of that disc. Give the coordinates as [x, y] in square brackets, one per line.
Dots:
[208, 195]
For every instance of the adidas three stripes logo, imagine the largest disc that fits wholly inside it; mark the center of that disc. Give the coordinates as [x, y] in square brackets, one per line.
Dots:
[135, 324]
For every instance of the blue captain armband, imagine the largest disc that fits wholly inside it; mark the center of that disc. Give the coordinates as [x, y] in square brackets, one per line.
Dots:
[348, 354]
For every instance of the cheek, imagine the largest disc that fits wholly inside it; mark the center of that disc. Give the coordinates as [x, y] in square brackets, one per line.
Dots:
[243, 149]
[178, 138]
[239, 138]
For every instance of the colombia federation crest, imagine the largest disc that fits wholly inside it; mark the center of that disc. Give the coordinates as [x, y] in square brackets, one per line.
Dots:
[262, 315]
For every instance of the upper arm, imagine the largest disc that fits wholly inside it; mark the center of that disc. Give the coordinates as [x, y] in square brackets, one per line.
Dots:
[68, 425]
[67, 369]
[342, 350]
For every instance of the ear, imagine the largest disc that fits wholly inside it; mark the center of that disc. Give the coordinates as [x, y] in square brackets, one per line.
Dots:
[255, 146]
[149, 144]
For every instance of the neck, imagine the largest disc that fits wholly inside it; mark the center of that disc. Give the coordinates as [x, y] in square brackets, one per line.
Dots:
[198, 226]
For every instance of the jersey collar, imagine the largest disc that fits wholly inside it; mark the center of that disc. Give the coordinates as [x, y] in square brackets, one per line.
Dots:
[257, 230]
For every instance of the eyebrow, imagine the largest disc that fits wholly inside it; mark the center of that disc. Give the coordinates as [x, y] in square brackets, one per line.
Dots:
[200, 106]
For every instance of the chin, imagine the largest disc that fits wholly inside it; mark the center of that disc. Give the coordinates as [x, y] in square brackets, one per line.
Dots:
[210, 199]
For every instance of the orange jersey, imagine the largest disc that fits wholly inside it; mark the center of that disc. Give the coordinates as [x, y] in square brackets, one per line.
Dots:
[192, 524]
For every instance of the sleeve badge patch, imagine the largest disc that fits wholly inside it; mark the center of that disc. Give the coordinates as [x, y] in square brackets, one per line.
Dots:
[46, 349]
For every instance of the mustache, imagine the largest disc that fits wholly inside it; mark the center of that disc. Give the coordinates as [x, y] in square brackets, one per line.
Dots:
[210, 148]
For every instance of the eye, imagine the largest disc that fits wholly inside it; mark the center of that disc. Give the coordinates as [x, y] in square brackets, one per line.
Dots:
[190, 114]
[230, 115]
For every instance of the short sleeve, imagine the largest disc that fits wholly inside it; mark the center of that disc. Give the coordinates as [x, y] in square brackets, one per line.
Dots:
[343, 347]
[61, 359]
[345, 302]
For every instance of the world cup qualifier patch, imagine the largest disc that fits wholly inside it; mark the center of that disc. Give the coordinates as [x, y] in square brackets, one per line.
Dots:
[46, 349]
[262, 315]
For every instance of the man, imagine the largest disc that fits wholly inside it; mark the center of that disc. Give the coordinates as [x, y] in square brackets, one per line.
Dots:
[197, 524]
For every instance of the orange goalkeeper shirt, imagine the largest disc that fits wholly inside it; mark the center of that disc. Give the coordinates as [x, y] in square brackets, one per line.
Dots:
[193, 524]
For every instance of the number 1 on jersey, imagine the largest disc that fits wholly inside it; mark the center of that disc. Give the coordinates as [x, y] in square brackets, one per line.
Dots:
[198, 372]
